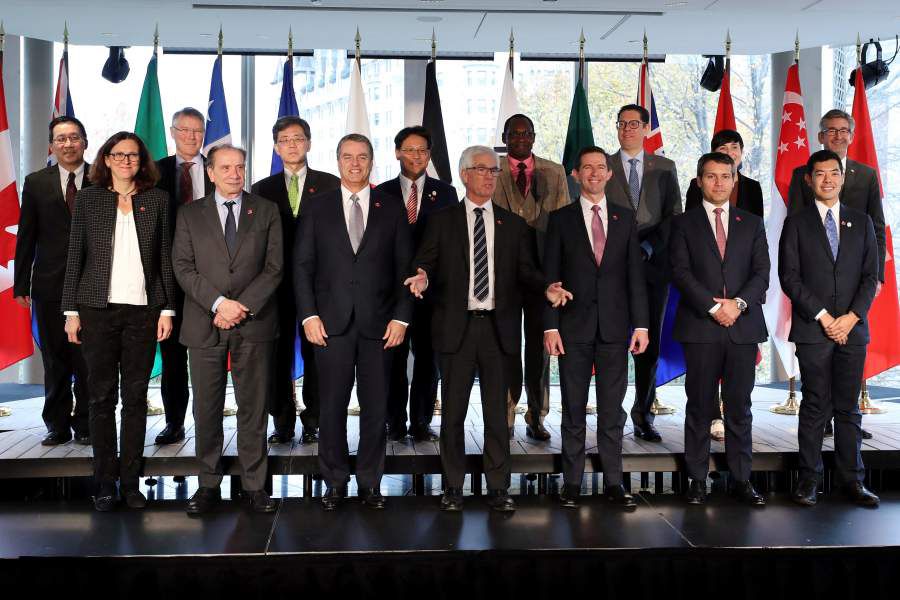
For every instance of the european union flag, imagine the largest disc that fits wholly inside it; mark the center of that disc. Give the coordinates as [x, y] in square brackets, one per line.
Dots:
[287, 107]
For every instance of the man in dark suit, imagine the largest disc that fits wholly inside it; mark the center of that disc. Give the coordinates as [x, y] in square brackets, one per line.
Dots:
[478, 258]
[592, 249]
[228, 259]
[828, 267]
[289, 190]
[421, 195]
[720, 264]
[352, 253]
[746, 193]
[648, 185]
[42, 243]
[183, 176]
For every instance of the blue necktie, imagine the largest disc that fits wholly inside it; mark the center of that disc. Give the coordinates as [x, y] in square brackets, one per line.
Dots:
[634, 183]
[831, 232]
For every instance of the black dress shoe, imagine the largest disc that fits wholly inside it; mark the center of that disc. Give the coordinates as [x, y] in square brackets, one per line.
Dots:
[396, 434]
[82, 438]
[829, 428]
[696, 493]
[805, 493]
[746, 493]
[537, 432]
[500, 501]
[332, 498]
[372, 498]
[857, 493]
[424, 434]
[55, 438]
[866, 435]
[568, 495]
[105, 501]
[452, 500]
[310, 435]
[281, 437]
[203, 500]
[170, 435]
[648, 433]
[260, 501]
[135, 499]
[618, 495]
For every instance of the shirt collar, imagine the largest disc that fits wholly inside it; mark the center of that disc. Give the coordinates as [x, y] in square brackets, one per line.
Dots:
[514, 163]
[197, 160]
[587, 205]
[822, 208]
[221, 200]
[406, 182]
[288, 173]
[65, 172]
[710, 207]
[362, 194]
[639, 156]
[471, 206]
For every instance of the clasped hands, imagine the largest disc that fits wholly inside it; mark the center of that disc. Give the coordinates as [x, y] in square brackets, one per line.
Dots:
[728, 312]
[314, 330]
[838, 328]
[229, 314]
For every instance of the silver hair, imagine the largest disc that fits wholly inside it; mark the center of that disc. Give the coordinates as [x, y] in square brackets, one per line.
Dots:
[467, 158]
[836, 113]
[211, 157]
[188, 111]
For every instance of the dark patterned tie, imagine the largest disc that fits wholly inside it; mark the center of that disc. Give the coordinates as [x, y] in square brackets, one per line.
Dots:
[71, 191]
[522, 180]
[479, 257]
[832, 233]
[185, 184]
[230, 228]
[634, 183]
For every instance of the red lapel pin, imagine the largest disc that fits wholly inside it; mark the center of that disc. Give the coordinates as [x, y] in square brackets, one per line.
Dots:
[499, 221]
[312, 190]
[615, 217]
[433, 195]
[378, 205]
[249, 211]
[142, 209]
[738, 219]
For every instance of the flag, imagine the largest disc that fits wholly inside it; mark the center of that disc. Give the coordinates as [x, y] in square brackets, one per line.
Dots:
[725, 111]
[884, 315]
[509, 105]
[792, 152]
[15, 335]
[218, 131]
[357, 115]
[62, 101]
[287, 107]
[653, 143]
[433, 121]
[580, 134]
[149, 124]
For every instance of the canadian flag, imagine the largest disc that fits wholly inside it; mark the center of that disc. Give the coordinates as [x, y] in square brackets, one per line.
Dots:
[15, 334]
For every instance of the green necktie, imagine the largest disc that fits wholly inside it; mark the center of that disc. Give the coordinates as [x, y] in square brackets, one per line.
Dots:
[294, 194]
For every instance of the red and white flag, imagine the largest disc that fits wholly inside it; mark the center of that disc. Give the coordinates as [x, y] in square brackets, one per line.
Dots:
[15, 334]
[725, 111]
[653, 143]
[793, 151]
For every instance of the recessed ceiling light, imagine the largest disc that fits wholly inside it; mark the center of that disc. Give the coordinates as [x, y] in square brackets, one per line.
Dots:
[675, 4]
[109, 34]
[429, 19]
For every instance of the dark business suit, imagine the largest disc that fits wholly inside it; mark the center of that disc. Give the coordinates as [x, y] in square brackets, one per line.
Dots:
[861, 191]
[206, 270]
[281, 404]
[118, 340]
[467, 341]
[660, 200]
[421, 392]
[609, 300]
[42, 245]
[749, 195]
[355, 295]
[173, 385]
[713, 352]
[831, 373]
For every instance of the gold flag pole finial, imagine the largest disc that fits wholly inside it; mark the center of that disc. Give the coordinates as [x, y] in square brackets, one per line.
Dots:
[358, 43]
[858, 49]
[221, 41]
[728, 45]
[433, 45]
[156, 38]
[290, 44]
[645, 45]
[581, 41]
[797, 47]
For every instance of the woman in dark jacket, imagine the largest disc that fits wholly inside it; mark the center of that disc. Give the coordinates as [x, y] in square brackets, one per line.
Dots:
[118, 301]
[747, 194]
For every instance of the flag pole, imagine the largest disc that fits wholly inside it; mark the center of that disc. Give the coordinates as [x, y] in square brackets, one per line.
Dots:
[66, 36]
[581, 41]
[512, 51]
[5, 411]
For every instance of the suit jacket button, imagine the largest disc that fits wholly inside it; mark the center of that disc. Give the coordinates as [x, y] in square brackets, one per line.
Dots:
[231, 271]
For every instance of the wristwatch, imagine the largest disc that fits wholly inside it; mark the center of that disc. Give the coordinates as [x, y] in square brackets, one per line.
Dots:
[742, 306]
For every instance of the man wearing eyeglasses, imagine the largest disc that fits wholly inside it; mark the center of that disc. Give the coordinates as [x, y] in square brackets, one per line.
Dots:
[184, 178]
[530, 187]
[648, 185]
[861, 190]
[42, 244]
[290, 189]
[421, 195]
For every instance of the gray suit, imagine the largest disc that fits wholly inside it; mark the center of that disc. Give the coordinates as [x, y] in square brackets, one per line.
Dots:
[205, 272]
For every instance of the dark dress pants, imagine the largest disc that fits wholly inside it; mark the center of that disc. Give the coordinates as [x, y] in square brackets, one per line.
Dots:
[281, 402]
[831, 378]
[611, 382]
[735, 365]
[421, 393]
[173, 385]
[119, 342]
[350, 356]
[62, 362]
[537, 364]
[209, 376]
[479, 352]
[645, 364]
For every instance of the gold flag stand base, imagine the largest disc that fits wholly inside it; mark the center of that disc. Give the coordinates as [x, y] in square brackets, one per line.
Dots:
[521, 409]
[437, 407]
[591, 409]
[791, 406]
[154, 410]
[866, 406]
[229, 410]
[661, 409]
[5, 412]
[353, 410]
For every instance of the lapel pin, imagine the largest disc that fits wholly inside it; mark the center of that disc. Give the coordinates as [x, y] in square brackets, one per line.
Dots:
[433, 195]
[615, 217]
[499, 221]
[737, 218]
[249, 211]
[849, 224]
[378, 205]
[312, 190]
[142, 209]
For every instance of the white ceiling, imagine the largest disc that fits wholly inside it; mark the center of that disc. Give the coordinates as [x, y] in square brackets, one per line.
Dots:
[404, 26]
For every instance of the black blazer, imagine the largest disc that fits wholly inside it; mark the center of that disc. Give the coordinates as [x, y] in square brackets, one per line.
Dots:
[444, 255]
[168, 182]
[42, 241]
[89, 265]
[700, 274]
[337, 285]
[750, 196]
[609, 300]
[860, 191]
[437, 195]
[813, 280]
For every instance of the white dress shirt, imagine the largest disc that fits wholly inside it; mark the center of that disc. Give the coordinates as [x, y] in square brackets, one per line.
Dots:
[197, 179]
[406, 185]
[836, 215]
[64, 178]
[488, 215]
[301, 180]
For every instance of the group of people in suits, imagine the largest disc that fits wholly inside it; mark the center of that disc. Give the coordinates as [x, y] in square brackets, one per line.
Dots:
[178, 253]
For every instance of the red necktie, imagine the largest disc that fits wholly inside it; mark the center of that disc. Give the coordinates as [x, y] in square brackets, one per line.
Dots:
[411, 203]
[185, 184]
[720, 232]
[71, 190]
[522, 180]
[598, 234]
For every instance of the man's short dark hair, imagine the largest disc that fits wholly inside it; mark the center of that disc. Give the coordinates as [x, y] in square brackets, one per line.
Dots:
[284, 122]
[355, 137]
[726, 136]
[645, 114]
[513, 118]
[820, 157]
[408, 131]
[66, 119]
[211, 156]
[188, 111]
[590, 150]
[716, 157]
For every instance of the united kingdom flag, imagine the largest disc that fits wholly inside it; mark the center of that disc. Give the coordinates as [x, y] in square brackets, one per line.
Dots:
[653, 143]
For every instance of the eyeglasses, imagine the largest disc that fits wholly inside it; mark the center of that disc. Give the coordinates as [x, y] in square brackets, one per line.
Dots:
[632, 124]
[188, 132]
[483, 171]
[294, 141]
[118, 157]
[834, 132]
[61, 140]
[415, 151]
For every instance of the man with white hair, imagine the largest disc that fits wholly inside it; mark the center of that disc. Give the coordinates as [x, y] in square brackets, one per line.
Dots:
[479, 258]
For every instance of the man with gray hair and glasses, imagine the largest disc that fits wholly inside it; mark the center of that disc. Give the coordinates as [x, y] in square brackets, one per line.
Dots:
[478, 258]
